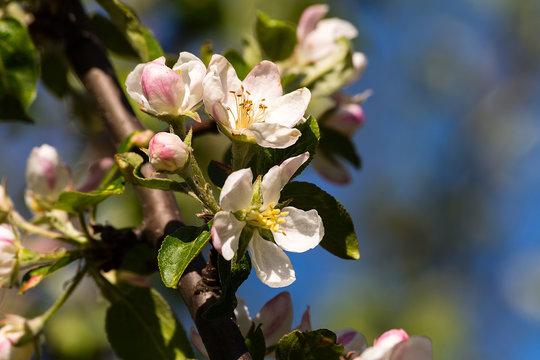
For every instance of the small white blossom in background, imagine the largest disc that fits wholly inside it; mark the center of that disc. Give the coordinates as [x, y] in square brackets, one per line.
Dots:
[46, 178]
[167, 152]
[292, 229]
[275, 318]
[255, 107]
[5, 202]
[8, 253]
[12, 331]
[162, 91]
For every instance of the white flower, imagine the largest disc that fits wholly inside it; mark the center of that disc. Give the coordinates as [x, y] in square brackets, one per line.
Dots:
[292, 229]
[17, 329]
[167, 152]
[46, 178]
[8, 253]
[396, 344]
[164, 91]
[255, 107]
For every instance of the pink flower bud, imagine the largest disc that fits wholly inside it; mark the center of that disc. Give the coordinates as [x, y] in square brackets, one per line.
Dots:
[393, 337]
[46, 177]
[14, 330]
[275, 318]
[347, 118]
[8, 253]
[167, 152]
[162, 87]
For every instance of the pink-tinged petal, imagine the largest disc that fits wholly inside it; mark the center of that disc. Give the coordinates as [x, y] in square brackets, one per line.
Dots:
[289, 109]
[309, 19]
[278, 176]
[305, 322]
[346, 119]
[384, 345]
[226, 230]
[274, 136]
[163, 88]
[192, 72]
[414, 348]
[242, 316]
[227, 79]
[263, 82]
[271, 264]
[96, 172]
[197, 342]
[392, 337]
[302, 230]
[134, 88]
[275, 317]
[237, 191]
[331, 170]
[351, 341]
[213, 96]
[321, 41]
[167, 152]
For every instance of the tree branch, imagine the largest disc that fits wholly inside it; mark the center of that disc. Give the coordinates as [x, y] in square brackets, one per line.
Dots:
[66, 21]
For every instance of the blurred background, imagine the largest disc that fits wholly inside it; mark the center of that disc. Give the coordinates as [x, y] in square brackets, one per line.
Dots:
[446, 206]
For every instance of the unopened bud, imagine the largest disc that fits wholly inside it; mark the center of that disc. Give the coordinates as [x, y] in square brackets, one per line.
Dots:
[8, 253]
[16, 335]
[347, 118]
[167, 152]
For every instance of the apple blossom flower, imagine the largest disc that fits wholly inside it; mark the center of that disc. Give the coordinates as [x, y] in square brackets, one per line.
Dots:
[10, 334]
[167, 152]
[46, 178]
[246, 207]
[275, 319]
[255, 107]
[8, 253]
[163, 91]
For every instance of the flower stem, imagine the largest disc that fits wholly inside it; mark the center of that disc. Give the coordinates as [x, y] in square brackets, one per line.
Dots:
[20, 222]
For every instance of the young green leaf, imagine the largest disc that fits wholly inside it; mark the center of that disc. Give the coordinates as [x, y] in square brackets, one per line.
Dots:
[276, 38]
[256, 344]
[141, 325]
[75, 201]
[18, 70]
[314, 345]
[238, 63]
[339, 235]
[34, 276]
[177, 251]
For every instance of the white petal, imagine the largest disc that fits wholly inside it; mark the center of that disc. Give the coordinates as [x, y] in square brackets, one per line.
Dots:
[226, 231]
[193, 72]
[288, 110]
[309, 19]
[274, 135]
[321, 41]
[237, 191]
[242, 316]
[278, 176]
[415, 348]
[275, 317]
[333, 171]
[273, 267]
[213, 97]
[134, 87]
[196, 340]
[302, 230]
[263, 82]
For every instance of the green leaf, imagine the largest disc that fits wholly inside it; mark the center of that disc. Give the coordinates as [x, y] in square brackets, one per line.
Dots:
[177, 251]
[231, 274]
[335, 143]
[111, 36]
[266, 157]
[130, 165]
[238, 63]
[75, 201]
[54, 71]
[218, 172]
[137, 35]
[34, 276]
[339, 235]
[256, 344]
[276, 38]
[314, 345]
[206, 53]
[18, 70]
[141, 325]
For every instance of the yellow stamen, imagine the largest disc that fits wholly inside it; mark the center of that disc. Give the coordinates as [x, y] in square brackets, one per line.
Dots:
[270, 218]
[246, 114]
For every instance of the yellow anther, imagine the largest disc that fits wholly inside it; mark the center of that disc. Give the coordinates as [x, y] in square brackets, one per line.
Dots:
[268, 218]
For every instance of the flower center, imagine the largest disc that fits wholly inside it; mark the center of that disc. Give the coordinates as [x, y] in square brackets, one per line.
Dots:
[268, 219]
[246, 112]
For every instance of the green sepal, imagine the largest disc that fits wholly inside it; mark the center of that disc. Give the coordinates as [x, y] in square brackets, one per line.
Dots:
[314, 345]
[335, 143]
[339, 235]
[130, 165]
[34, 276]
[238, 63]
[18, 70]
[75, 201]
[154, 331]
[256, 344]
[138, 36]
[231, 274]
[276, 38]
[177, 251]
[308, 141]
[243, 242]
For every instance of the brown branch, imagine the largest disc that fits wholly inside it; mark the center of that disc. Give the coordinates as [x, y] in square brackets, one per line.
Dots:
[66, 21]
